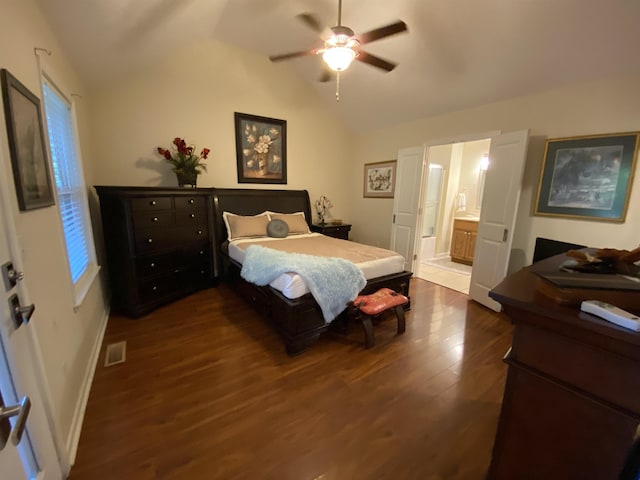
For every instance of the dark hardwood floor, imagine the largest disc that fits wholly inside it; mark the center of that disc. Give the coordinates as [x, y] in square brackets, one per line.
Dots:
[207, 391]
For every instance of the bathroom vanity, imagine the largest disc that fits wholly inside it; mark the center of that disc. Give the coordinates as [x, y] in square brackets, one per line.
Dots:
[463, 241]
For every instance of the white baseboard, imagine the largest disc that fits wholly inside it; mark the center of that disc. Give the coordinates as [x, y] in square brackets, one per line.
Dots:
[78, 417]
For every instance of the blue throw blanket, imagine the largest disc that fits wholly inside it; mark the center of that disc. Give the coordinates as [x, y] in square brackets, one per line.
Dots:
[333, 282]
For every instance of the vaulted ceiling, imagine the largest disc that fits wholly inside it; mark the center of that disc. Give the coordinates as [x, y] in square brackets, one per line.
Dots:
[456, 54]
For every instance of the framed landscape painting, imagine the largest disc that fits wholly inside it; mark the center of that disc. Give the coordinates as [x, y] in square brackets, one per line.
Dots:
[380, 179]
[588, 177]
[261, 149]
[26, 144]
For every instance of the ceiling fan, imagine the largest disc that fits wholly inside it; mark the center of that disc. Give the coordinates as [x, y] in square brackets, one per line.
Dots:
[342, 45]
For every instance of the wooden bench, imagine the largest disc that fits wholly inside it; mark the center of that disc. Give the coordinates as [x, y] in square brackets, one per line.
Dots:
[366, 307]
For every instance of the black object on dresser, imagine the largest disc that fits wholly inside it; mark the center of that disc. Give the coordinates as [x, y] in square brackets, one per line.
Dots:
[337, 230]
[158, 243]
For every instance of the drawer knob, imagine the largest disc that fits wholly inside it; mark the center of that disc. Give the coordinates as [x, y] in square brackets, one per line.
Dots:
[152, 202]
[193, 215]
[153, 265]
[149, 240]
[202, 272]
[191, 201]
[155, 219]
[201, 252]
[154, 288]
[199, 232]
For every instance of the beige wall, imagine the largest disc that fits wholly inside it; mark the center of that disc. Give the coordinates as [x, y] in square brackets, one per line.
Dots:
[600, 107]
[193, 93]
[66, 337]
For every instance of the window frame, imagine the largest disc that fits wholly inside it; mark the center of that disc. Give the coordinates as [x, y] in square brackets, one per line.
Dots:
[80, 287]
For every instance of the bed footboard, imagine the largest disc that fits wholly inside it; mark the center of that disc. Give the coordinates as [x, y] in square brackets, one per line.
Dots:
[299, 321]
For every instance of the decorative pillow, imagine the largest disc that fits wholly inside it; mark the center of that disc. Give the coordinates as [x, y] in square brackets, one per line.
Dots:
[243, 226]
[277, 228]
[295, 221]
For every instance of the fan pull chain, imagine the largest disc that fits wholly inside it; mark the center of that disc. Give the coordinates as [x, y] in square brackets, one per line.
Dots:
[337, 86]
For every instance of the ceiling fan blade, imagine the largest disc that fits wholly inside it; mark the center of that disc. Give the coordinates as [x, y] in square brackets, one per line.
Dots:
[382, 32]
[375, 61]
[314, 24]
[325, 76]
[311, 21]
[287, 56]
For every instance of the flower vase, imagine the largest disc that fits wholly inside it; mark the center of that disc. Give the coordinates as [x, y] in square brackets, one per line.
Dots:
[262, 164]
[187, 179]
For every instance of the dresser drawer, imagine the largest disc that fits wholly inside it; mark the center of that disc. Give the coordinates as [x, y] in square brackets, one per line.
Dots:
[191, 216]
[155, 265]
[194, 276]
[149, 240]
[187, 202]
[151, 203]
[172, 262]
[199, 255]
[154, 289]
[146, 219]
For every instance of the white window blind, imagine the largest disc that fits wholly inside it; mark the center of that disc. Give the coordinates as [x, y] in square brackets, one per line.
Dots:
[69, 182]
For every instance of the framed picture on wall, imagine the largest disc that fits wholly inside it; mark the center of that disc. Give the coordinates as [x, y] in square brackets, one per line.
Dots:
[261, 149]
[588, 177]
[380, 179]
[26, 144]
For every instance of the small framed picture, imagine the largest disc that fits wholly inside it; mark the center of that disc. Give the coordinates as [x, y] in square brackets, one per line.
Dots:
[261, 149]
[588, 177]
[26, 144]
[380, 179]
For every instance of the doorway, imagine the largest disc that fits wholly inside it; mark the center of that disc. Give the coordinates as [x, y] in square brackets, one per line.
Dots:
[452, 199]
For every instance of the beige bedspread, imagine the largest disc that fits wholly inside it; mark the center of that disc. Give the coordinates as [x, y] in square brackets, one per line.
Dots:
[324, 246]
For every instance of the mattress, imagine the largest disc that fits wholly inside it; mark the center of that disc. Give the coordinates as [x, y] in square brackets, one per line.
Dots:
[373, 261]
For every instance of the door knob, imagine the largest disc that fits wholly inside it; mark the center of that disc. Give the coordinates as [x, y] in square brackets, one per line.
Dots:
[22, 412]
[19, 314]
[10, 275]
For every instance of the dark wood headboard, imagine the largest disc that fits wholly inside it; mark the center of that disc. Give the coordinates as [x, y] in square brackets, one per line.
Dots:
[247, 201]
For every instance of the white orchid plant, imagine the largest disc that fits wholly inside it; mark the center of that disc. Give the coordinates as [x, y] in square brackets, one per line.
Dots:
[322, 205]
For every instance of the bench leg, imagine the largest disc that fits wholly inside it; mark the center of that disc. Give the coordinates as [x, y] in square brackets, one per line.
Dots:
[400, 315]
[369, 340]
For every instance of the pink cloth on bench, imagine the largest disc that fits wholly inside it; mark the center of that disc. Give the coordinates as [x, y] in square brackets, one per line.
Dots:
[379, 301]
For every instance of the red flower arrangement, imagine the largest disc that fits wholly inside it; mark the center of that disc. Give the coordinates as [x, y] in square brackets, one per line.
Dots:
[183, 160]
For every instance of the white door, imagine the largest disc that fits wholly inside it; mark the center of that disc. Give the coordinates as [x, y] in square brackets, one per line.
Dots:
[35, 455]
[498, 214]
[406, 203]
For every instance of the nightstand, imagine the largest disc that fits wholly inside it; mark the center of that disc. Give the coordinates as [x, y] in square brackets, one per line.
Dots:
[337, 230]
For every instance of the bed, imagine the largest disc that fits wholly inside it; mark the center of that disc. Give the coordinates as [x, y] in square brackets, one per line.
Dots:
[299, 320]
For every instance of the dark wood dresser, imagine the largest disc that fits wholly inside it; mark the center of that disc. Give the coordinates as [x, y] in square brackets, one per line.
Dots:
[337, 230]
[158, 243]
[571, 405]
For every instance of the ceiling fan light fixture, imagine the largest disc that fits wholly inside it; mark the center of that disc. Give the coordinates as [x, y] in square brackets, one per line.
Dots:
[338, 59]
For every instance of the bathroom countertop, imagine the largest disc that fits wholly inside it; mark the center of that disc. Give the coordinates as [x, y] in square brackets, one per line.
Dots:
[468, 218]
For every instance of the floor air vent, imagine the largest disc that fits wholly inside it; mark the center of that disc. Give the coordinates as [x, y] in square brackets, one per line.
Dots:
[116, 353]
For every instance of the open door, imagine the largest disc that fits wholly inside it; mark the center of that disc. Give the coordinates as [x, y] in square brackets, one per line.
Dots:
[406, 203]
[498, 214]
[27, 444]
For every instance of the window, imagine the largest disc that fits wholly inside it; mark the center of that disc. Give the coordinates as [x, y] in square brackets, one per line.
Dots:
[70, 188]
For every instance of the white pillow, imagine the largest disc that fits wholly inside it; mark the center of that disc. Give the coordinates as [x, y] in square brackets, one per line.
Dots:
[296, 221]
[245, 226]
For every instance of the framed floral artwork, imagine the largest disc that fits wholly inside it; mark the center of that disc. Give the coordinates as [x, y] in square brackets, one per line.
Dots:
[588, 177]
[380, 179]
[26, 144]
[261, 149]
